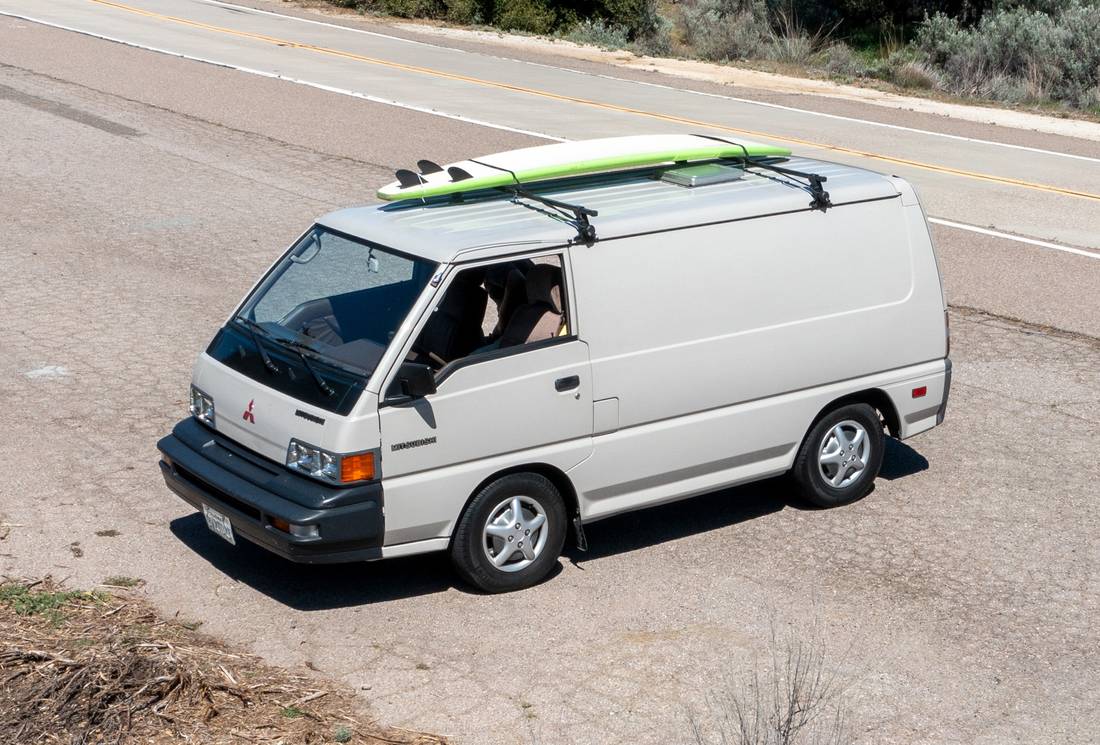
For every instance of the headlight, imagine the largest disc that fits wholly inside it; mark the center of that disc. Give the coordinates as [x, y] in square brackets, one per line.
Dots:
[202, 406]
[331, 467]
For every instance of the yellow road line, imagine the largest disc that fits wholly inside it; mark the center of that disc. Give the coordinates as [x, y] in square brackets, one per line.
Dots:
[601, 105]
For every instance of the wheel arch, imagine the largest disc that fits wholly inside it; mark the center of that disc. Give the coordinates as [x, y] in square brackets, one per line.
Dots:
[875, 397]
[553, 474]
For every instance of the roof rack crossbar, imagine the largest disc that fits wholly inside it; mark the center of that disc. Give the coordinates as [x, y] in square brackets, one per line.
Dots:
[820, 197]
[586, 231]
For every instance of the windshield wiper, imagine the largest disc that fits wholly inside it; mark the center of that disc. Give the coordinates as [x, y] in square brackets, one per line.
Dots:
[252, 326]
[301, 349]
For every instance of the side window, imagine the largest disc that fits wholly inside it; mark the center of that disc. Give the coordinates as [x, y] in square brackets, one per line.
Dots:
[495, 307]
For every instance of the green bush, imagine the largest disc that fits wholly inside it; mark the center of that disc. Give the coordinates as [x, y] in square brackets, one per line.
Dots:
[1081, 60]
[598, 33]
[639, 17]
[721, 30]
[532, 16]
[413, 8]
[840, 60]
[658, 42]
[1007, 50]
[468, 12]
[1091, 100]
[1018, 54]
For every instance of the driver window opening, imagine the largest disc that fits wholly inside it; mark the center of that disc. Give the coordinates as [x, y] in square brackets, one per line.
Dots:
[493, 307]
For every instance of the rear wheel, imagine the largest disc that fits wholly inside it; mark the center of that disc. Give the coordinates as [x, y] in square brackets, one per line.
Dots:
[841, 456]
[511, 534]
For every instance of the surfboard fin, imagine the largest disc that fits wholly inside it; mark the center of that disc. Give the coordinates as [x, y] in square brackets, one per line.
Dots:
[408, 178]
[427, 166]
[457, 174]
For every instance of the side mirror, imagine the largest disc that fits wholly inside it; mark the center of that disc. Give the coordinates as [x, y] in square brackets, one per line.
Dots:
[415, 380]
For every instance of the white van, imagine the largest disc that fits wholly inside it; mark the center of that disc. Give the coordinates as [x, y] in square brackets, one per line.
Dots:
[484, 367]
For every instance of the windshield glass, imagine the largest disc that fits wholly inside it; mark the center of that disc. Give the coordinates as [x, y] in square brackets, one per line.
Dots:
[341, 298]
[317, 325]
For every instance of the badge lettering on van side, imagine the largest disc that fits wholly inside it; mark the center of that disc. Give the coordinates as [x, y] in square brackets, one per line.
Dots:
[412, 444]
[308, 417]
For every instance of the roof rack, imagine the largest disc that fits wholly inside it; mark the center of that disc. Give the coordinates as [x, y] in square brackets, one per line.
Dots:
[820, 198]
[586, 231]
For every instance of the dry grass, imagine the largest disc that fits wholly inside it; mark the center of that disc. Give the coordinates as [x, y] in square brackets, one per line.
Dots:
[90, 667]
[797, 698]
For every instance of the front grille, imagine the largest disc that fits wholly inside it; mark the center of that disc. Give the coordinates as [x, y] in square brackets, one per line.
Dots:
[217, 493]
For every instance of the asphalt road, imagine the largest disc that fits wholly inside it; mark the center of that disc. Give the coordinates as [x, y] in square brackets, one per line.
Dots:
[145, 192]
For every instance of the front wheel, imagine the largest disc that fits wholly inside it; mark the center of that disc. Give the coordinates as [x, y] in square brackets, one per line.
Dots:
[841, 456]
[511, 534]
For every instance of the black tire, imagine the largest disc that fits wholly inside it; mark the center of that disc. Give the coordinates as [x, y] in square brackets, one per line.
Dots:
[807, 470]
[468, 547]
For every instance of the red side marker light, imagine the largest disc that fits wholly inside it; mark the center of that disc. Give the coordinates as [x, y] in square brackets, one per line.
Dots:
[920, 392]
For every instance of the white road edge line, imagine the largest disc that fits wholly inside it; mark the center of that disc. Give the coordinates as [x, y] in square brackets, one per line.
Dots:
[276, 76]
[490, 125]
[1011, 237]
[747, 101]
[315, 22]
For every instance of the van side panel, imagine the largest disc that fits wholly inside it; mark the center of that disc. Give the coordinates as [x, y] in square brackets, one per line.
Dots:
[720, 342]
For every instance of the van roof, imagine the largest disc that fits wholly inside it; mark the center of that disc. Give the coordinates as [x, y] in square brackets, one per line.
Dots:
[639, 201]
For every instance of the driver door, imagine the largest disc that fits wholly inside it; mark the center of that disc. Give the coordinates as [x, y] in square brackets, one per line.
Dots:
[494, 408]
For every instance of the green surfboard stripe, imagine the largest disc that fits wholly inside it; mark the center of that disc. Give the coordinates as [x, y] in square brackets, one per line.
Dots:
[578, 168]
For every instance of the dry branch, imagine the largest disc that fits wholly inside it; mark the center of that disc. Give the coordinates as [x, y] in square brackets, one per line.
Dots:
[82, 667]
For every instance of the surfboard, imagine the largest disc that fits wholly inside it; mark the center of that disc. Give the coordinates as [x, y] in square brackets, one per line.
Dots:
[565, 159]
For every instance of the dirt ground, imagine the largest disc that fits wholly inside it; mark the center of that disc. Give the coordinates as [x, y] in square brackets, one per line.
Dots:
[103, 666]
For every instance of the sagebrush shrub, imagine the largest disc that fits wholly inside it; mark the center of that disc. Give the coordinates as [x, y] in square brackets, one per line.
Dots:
[599, 33]
[658, 42]
[839, 59]
[467, 12]
[721, 30]
[1015, 51]
[1018, 54]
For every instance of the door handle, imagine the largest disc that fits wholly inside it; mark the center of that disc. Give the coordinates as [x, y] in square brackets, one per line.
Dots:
[567, 384]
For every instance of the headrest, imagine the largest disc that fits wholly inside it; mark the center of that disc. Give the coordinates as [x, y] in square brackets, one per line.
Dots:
[496, 280]
[544, 285]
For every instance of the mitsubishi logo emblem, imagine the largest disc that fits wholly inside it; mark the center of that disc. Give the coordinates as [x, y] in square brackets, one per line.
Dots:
[248, 417]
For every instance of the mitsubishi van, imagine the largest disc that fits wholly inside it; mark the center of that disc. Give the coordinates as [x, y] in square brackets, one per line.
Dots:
[509, 348]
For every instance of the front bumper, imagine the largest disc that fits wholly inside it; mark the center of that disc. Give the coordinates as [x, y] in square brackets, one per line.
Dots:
[204, 467]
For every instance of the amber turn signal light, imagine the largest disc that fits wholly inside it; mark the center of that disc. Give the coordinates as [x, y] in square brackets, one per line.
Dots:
[358, 467]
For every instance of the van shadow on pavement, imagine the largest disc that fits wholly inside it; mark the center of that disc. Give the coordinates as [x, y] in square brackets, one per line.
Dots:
[320, 587]
[900, 461]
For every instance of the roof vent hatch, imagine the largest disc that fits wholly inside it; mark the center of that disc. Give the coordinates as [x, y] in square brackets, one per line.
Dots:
[703, 174]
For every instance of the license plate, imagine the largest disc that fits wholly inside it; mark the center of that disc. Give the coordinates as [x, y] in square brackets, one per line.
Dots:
[218, 523]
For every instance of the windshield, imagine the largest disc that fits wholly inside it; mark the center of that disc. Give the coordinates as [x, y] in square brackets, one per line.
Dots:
[317, 325]
[342, 298]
